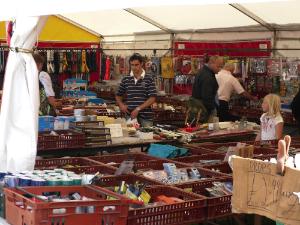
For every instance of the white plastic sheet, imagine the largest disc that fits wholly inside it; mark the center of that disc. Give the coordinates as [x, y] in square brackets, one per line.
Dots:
[20, 100]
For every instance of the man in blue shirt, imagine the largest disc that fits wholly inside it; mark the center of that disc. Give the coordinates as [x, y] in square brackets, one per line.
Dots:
[140, 92]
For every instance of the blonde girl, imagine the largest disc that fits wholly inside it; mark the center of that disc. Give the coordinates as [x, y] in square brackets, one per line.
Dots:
[271, 127]
[271, 122]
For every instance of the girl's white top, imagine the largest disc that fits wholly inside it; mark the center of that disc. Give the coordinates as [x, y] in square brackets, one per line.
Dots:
[268, 126]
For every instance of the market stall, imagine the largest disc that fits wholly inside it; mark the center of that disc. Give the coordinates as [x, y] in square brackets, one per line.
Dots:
[96, 165]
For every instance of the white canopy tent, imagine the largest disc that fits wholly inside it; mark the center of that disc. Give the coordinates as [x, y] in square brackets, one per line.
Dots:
[157, 26]
[168, 19]
[190, 18]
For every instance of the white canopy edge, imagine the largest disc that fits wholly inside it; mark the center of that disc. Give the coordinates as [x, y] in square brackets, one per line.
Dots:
[18, 8]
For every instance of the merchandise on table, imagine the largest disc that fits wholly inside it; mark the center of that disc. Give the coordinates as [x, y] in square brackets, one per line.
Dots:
[95, 132]
[218, 195]
[46, 123]
[149, 200]
[172, 175]
[65, 205]
[58, 177]
[117, 159]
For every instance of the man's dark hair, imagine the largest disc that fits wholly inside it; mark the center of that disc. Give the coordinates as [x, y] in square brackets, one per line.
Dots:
[38, 58]
[136, 56]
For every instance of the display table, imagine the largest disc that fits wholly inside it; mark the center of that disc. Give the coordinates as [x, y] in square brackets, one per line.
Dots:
[225, 136]
[117, 144]
[255, 114]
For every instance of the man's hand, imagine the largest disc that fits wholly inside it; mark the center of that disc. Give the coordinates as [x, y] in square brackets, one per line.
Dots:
[124, 108]
[135, 113]
[54, 102]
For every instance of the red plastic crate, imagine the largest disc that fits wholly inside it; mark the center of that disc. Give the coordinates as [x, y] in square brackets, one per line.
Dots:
[64, 139]
[62, 162]
[198, 150]
[31, 210]
[264, 150]
[112, 181]
[215, 146]
[102, 169]
[196, 158]
[222, 168]
[139, 167]
[257, 149]
[156, 164]
[216, 206]
[119, 158]
[188, 212]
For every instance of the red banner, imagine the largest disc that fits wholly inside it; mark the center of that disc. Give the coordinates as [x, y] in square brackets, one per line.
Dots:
[67, 45]
[234, 49]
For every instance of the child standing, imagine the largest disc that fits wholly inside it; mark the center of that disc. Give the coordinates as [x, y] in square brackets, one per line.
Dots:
[271, 127]
[271, 122]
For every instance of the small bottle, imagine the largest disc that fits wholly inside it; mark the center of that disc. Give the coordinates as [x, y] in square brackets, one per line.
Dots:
[61, 122]
[56, 125]
[66, 124]
[216, 123]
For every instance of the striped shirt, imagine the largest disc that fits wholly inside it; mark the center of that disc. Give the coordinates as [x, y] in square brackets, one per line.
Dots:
[138, 93]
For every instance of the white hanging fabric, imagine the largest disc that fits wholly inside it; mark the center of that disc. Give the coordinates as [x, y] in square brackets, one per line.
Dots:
[20, 99]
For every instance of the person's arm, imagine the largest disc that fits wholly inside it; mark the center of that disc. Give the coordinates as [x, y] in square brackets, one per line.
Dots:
[52, 101]
[208, 94]
[258, 136]
[119, 97]
[248, 96]
[46, 81]
[146, 104]
[238, 88]
[123, 107]
[279, 130]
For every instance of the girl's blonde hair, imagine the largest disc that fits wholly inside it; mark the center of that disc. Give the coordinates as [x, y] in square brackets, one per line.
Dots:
[274, 103]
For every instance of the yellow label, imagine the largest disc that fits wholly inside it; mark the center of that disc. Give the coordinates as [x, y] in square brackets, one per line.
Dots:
[111, 198]
[145, 197]
[188, 189]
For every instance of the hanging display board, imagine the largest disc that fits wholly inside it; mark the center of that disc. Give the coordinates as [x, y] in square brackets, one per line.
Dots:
[233, 49]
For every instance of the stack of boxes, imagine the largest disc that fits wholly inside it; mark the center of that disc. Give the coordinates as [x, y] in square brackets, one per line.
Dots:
[95, 132]
[46, 123]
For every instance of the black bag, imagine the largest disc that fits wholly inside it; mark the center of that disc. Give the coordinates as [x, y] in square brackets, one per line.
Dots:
[295, 106]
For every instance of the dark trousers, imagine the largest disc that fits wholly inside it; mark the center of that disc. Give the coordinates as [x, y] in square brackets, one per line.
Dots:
[223, 112]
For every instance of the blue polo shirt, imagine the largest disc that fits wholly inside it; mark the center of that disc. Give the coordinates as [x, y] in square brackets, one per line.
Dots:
[138, 93]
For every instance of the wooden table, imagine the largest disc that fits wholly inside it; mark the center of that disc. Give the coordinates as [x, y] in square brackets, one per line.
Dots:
[226, 136]
[117, 145]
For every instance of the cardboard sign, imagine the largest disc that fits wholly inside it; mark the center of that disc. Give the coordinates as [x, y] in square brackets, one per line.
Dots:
[258, 189]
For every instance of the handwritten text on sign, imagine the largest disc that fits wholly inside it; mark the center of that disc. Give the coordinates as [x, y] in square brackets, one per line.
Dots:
[266, 193]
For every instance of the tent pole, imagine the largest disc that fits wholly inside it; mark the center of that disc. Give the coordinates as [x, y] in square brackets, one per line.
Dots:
[252, 16]
[148, 20]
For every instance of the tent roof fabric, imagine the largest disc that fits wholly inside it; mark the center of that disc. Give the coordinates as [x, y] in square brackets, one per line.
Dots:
[57, 29]
[131, 17]
[279, 14]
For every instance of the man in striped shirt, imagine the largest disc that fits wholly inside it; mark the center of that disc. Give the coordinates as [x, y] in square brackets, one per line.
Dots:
[140, 92]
